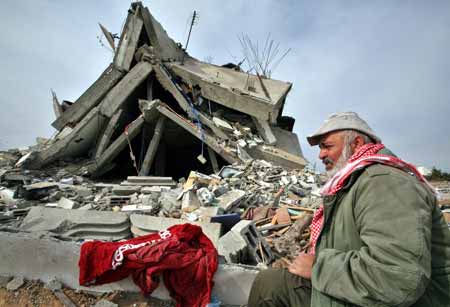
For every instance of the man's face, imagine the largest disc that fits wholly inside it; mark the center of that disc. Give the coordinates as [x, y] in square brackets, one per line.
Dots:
[331, 147]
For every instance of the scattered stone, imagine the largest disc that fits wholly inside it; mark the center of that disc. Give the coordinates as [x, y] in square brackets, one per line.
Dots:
[15, 283]
[230, 199]
[66, 203]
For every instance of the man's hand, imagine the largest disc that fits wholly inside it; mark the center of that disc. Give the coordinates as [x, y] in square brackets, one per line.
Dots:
[302, 265]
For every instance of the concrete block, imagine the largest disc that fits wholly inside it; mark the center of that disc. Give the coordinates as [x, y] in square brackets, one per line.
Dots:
[230, 199]
[233, 247]
[150, 224]
[189, 202]
[45, 259]
[257, 247]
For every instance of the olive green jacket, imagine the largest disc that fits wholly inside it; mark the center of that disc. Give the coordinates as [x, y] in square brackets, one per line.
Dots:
[384, 243]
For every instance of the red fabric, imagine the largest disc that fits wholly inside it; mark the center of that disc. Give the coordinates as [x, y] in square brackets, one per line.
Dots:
[182, 254]
[365, 156]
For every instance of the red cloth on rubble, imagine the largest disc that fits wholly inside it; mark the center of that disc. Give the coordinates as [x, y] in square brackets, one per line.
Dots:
[184, 256]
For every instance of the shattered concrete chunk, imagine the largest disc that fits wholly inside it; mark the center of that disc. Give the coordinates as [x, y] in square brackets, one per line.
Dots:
[230, 199]
[189, 202]
[15, 283]
[66, 203]
[222, 124]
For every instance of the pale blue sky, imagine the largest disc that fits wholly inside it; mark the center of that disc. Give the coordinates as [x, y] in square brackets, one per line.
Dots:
[387, 60]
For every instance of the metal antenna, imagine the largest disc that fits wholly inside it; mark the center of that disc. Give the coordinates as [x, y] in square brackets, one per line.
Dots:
[194, 17]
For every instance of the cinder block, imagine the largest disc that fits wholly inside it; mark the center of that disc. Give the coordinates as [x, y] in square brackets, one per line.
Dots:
[256, 248]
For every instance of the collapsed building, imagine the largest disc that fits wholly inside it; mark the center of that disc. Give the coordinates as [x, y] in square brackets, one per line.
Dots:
[131, 156]
[161, 105]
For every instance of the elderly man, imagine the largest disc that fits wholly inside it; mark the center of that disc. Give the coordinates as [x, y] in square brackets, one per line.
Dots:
[379, 239]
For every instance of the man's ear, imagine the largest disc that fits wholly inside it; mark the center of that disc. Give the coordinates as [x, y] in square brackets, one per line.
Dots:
[357, 143]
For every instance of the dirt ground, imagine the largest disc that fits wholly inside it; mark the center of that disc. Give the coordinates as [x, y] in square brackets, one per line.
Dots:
[34, 294]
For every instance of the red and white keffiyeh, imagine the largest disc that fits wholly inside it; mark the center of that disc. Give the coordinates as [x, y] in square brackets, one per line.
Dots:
[365, 156]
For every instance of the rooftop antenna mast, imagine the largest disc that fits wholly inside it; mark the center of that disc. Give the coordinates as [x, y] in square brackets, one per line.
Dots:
[194, 18]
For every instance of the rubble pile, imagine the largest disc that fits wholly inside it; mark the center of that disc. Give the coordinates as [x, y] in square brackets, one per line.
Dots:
[443, 192]
[251, 211]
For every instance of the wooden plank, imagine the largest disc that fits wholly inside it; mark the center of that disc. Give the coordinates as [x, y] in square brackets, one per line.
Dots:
[283, 216]
[119, 94]
[153, 146]
[90, 98]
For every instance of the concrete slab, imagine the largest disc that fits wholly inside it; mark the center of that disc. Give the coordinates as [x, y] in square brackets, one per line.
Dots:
[150, 224]
[265, 131]
[228, 87]
[120, 93]
[277, 156]
[78, 141]
[89, 99]
[78, 223]
[165, 79]
[165, 48]
[128, 42]
[46, 259]
[287, 141]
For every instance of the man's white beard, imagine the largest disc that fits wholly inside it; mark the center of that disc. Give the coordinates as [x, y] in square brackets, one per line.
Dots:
[341, 161]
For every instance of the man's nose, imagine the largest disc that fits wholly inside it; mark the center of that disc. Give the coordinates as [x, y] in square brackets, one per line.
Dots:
[322, 154]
